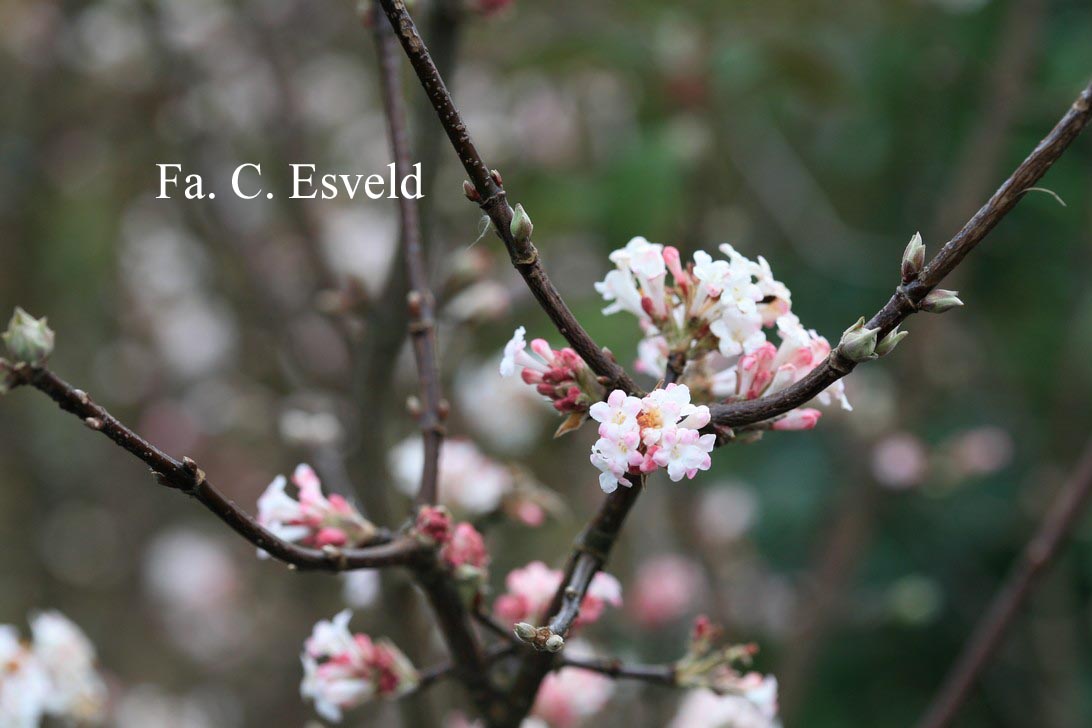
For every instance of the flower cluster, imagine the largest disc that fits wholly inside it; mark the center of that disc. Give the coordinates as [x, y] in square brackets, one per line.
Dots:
[709, 664]
[342, 670]
[568, 697]
[462, 547]
[716, 313]
[471, 483]
[640, 435]
[559, 375]
[312, 519]
[530, 589]
[52, 676]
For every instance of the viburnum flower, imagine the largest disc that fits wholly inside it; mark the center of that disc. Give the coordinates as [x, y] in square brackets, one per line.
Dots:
[530, 589]
[465, 548]
[664, 590]
[342, 670]
[312, 519]
[714, 312]
[705, 708]
[559, 375]
[571, 695]
[640, 435]
[54, 675]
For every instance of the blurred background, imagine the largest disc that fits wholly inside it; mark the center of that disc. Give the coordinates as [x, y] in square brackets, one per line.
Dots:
[253, 335]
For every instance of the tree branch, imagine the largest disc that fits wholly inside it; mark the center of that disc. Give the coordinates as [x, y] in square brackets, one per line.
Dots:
[186, 477]
[613, 667]
[1039, 554]
[422, 325]
[491, 197]
[907, 297]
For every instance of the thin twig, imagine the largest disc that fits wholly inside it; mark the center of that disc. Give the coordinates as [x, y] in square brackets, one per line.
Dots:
[907, 298]
[431, 675]
[615, 668]
[493, 201]
[495, 627]
[436, 581]
[184, 475]
[1038, 555]
[422, 325]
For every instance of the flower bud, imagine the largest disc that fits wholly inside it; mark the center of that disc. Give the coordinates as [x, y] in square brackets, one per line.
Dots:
[858, 343]
[940, 300]
[521, 226]
[524, 631]
[471, 192]
[28, 339]
[554, 643]
[913, 258]
[889, 342]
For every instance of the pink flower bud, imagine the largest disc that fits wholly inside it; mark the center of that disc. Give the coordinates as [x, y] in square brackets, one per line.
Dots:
[798, 419]
[434, 522]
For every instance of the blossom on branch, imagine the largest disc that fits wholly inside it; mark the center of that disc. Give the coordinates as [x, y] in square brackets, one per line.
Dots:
[311, 519]
[714, 314]
[342, 670]
[640, 435]
[530, 589]
[568, 697]
[559, 375]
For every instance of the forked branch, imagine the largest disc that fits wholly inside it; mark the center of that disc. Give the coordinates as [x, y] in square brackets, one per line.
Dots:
[184, 475]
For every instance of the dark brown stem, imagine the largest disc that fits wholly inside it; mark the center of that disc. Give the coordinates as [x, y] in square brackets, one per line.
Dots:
[615, 668]
[906, 299]
[186, 477]
[422, 325]
[1038, 555]
[493, 201]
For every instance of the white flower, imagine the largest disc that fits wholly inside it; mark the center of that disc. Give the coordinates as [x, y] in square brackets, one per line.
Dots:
[618, 287]
[68, 659]
[737, 333]
[512, 351]
[618, 415]
[615, 457]
[706, 709]
[684, 452]
[24, 685]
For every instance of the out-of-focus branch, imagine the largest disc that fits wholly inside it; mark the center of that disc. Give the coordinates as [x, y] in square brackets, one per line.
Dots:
[431, 675]
[490, 195]
[1037, 557]
[422, 326]
[184, 475]
[908, 297]
[615, 668]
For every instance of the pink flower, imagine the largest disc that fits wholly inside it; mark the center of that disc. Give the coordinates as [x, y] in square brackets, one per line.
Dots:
[343, 670]
[665, 589]
[465, 547]
[311, 519]
[640, 435]
[434, 523]
[530, 590]
[570, 696]
[560, 375]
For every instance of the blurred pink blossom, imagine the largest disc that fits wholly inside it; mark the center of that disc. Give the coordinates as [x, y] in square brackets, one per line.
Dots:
[666, 587]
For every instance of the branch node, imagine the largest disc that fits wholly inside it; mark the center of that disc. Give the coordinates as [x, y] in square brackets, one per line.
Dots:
[93, 423]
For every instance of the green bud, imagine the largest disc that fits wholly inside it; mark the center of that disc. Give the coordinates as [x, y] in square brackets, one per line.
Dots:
[554, 643]
[524, 631]
[521, 226]
[913, 259]
[858, 343]
[940, 300]
[855, 327]
[889, 342]
[28, 339]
